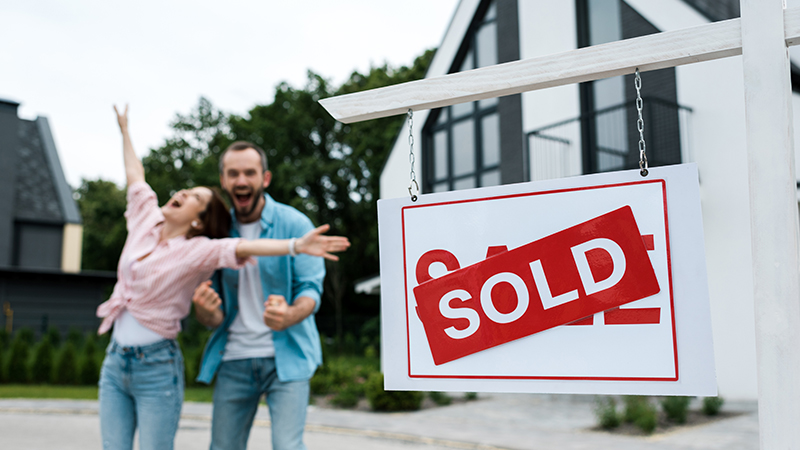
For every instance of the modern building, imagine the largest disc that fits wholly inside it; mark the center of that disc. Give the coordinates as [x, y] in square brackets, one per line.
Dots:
[693, 113]
[40, 234]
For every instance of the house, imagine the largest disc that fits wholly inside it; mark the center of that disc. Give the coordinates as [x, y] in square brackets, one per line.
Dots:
[41, 284]
[693, 113]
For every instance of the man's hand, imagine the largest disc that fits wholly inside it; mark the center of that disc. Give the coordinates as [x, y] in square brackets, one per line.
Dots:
[206, 305]
[279, 315]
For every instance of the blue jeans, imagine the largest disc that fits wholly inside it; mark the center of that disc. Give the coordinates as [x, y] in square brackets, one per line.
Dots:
[141, 387]
[239, 386]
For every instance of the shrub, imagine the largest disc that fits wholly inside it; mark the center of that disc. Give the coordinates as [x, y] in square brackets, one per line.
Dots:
[67, 365]
[647, 419]
[18, 360]
[191, 365]
[54, 335]
[381, 400]
[640, 412]
[606, 411]
[75, 336]
[676, 408]
[634, 405]
[26, 334]
[712, 405]
[348, 395]
[3, 378]
[4, 338]
[42, 370]
[469, 396]
[440, 398]
[90, 370]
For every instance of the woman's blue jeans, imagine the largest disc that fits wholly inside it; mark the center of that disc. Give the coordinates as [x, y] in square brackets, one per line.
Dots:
[141, 387]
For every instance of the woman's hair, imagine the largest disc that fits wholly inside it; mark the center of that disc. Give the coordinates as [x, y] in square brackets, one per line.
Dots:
[216, 219]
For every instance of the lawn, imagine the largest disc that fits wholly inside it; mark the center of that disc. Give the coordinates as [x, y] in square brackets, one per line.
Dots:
[192, 394]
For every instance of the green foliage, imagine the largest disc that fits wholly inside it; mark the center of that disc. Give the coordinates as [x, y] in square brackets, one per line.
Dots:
[54, 335]
[17, 368]
[712, 405]
[606, 412]
[676, 408]
[75, 336]
[26, 334]
[90, 369]
[42, 370]
[4, 339]
[3, 376]
[190, 157]
[641, 412]
[67, 364]
[648, 419]
[102, 205]
[381, 400]
[470, 396]
[440, 398]
[347, 396]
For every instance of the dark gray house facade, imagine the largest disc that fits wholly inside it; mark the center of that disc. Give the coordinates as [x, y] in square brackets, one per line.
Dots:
[41, 284]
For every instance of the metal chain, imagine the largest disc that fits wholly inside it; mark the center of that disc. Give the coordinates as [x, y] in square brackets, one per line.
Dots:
[411, 159]
[637, 82]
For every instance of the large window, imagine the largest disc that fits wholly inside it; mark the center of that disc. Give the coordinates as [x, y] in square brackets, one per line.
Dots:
[608, 115]
[462, 142]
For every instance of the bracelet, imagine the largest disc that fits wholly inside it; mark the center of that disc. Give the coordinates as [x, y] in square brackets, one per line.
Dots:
[291, 247]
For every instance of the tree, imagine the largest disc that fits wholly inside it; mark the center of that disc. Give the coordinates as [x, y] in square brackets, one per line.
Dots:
[102, 204]
[190, 157]
[42, 369]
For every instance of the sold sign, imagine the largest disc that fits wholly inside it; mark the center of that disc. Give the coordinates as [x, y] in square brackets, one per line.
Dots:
[591, 267]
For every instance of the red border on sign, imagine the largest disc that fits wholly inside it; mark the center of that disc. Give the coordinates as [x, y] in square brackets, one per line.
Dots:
[540, 377]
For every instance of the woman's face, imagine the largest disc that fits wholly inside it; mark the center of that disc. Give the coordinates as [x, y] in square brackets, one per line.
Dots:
[186, 205]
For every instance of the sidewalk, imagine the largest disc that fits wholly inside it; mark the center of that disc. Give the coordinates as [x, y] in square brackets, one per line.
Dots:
[493, 422]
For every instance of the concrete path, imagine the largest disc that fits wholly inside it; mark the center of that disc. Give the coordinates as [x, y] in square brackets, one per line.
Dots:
[493, 422]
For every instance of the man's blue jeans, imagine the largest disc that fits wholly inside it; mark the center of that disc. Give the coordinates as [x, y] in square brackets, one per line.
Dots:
[238, 389]
[141, 387]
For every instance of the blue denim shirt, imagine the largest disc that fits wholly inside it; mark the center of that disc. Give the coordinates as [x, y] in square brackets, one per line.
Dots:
[297, 348]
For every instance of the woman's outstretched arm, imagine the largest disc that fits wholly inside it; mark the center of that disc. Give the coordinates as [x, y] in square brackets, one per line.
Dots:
[312, 243]
[134, 171]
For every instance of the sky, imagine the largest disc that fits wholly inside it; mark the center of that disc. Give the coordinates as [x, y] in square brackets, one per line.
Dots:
[72, 61]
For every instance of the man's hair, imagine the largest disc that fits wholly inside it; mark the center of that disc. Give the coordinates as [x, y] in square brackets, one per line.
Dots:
[216, 219]
[244, 145]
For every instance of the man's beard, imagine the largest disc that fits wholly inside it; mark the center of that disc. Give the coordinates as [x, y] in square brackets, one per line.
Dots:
[257, 194]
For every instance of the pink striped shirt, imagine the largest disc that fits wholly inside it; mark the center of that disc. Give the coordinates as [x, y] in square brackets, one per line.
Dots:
[157, 290]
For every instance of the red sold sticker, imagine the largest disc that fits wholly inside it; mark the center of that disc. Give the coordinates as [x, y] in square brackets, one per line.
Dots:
[591, 267]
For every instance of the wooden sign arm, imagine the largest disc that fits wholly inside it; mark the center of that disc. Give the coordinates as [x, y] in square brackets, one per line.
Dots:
[656, 51]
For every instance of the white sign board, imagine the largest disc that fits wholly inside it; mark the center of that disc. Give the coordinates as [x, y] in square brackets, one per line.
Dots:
[593, 284]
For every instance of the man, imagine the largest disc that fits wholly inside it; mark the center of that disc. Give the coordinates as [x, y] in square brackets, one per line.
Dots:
[260, 347]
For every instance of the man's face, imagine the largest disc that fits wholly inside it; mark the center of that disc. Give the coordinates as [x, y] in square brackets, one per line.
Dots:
[243, 179]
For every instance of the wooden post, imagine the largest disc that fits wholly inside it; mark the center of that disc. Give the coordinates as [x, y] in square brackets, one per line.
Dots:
[773, 220]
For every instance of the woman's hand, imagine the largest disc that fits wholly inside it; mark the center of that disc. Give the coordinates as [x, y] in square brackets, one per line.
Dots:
[316, 244]
[134, 171]
[122, 119]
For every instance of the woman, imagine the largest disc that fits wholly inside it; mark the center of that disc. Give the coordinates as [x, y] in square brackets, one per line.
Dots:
[168, 252]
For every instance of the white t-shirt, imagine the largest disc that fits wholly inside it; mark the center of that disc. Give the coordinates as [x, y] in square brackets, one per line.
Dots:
[128, 332]
[248, 335]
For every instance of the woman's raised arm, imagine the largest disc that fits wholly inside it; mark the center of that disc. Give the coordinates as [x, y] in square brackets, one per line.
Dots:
[313, 243]
[134, 171]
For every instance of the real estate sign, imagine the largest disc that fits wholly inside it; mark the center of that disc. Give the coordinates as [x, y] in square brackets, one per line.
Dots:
[592, 284]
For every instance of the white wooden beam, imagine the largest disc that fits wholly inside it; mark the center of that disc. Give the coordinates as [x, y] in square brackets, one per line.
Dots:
[655, 51]
[773, 219]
